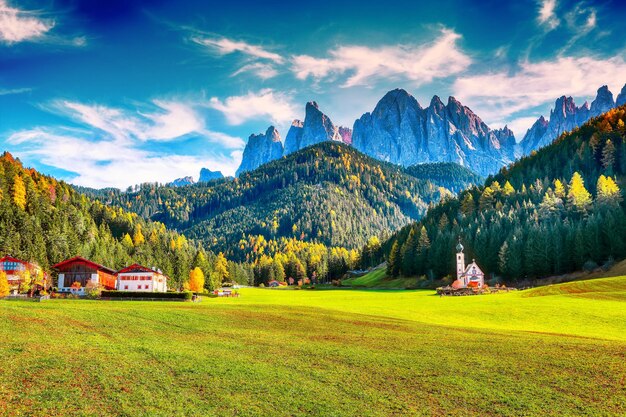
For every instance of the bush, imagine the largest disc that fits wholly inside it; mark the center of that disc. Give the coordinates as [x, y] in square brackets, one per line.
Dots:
[590, 266]
[161, 295]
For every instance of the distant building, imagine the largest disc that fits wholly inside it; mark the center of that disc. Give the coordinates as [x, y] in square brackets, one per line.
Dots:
[16, 270]
[140, 278]
[470, 276]
[83, 271]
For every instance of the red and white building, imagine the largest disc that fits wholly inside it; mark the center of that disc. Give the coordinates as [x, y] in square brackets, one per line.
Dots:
[16, 270]
[83, 271]
[142, 279]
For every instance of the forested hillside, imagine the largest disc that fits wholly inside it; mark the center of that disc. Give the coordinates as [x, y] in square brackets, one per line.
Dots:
[328, 193]
[46, 221]
[449, 175]
[558, 210]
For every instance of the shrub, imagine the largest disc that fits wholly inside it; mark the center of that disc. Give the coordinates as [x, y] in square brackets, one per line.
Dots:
[590, 266]
[161, 295]
[93, 290]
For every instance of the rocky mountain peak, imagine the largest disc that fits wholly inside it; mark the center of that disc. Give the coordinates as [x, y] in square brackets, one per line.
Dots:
[261, 149]
[181, 182]
[603, 102]
[621, 98]
[208, 175]
[317, 127]
[346, 135]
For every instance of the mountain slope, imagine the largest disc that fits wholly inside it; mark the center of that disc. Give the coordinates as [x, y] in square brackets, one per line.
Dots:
[327, 193]
[556, 211]
[46, 221]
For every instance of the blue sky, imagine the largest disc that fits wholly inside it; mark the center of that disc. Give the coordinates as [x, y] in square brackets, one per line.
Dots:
[145, 91]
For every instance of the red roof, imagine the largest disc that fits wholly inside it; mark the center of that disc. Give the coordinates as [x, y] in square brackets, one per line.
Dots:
[135, 268]
[80, 259]
[12, 259]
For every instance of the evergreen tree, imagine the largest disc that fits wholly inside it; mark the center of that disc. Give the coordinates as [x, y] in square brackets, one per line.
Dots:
[394, 261]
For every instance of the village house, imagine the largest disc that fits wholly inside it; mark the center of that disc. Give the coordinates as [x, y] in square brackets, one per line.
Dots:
[467, 276]
[77, 272]
[139, 278]
[17, 270]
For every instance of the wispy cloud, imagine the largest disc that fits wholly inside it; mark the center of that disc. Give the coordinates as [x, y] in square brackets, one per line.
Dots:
[499, 95]
[18, 25]
[106, 163]
[265, 104]
[115, 147]
[9, 91]
[547, 16]
[257, 59]
[420, 64]
[225, 46]
[261, 70]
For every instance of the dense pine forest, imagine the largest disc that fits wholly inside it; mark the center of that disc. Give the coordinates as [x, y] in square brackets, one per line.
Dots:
[449, 175]
[46, 221]
[558, 210]
[322, 194]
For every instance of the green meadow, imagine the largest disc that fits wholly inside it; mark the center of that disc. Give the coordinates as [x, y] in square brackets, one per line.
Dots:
[551, 351]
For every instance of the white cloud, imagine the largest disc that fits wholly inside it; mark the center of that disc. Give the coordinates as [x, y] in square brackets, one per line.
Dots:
[278, 107]
[113, 147]
[109, 163]
[19, 25]
[164, 121]
[418, 63]
[225, 46]
[498, 95]
[547, 14]
[261, 70]
[8, 91]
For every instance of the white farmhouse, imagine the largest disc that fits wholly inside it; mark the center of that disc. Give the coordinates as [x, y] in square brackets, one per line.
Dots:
[140, 278]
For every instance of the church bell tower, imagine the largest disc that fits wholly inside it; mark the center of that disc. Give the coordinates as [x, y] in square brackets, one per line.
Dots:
[460, 260]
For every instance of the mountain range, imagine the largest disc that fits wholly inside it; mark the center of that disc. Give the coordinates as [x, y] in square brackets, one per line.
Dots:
[399, 130]
[206, 175]
[319, 194]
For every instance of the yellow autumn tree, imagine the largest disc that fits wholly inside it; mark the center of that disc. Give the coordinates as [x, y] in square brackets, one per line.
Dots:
[127, 242]
[578, 197]
[19, 192]
[4, 284]
[138, 238]
[608, 191]
[508, 189]
[220, 271]
[196, 280]
[559, 189]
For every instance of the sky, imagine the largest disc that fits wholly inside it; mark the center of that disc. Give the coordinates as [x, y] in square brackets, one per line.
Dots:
[149, 91]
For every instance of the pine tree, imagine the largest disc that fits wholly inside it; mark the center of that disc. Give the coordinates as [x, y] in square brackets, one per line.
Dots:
[394, 261]
[608, 156]
[221, 270]
[467, 205]
[19, 192]
[578, 197]
[409, 254]
[608, 191]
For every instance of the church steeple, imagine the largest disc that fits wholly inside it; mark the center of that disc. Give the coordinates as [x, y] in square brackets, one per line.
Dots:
[460, 260]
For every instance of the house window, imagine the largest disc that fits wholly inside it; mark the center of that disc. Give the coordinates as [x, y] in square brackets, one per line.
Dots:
[125, 287]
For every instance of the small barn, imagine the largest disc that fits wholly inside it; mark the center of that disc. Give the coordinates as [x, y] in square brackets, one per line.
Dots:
[77, 272]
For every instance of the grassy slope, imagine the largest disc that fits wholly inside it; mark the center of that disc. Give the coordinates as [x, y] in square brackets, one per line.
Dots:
[319, 353]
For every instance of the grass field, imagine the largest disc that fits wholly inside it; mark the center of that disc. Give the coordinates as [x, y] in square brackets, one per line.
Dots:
[550, 351]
